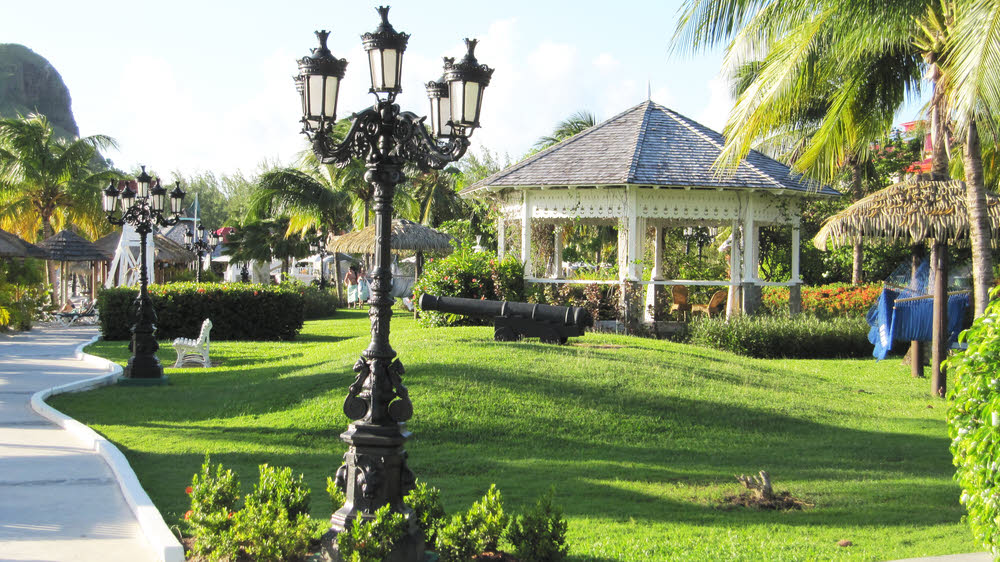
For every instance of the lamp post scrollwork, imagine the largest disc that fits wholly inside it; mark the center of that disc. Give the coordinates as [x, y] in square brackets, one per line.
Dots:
[374, 472]
[141, 204]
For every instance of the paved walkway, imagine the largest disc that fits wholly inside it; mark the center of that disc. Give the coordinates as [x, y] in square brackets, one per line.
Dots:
[58, 500]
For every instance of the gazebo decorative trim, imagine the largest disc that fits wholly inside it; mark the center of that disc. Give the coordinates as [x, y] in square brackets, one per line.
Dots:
[649, 166]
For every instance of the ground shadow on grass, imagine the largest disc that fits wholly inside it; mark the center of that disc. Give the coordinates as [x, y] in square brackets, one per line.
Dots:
[322, 338]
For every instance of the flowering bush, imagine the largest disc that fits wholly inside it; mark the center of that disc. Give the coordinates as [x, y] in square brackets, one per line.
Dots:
[825, 301]
[239, 311]
[973, 422]
[469, 275]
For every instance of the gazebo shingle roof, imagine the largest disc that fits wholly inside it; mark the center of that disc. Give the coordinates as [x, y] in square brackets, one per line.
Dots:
[646, 145]
[70, 246]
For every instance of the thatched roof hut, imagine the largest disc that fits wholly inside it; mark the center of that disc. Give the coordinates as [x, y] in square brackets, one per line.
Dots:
[913, 212]
[70, 246]
[166, 250]
[406, 235]
[12, 246]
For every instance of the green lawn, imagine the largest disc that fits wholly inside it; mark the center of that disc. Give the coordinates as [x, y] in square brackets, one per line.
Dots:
[641, 438]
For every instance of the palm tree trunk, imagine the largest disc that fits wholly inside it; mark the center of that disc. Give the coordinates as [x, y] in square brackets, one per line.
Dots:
[939, 129]
[859, 251]
[337, 280]
[979, 226]
[50, 268]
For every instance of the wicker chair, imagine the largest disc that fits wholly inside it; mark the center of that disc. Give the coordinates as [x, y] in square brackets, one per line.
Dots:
[679, 296]
[714, 307]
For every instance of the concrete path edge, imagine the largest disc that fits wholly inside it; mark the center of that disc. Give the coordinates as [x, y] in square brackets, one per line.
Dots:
[162, 540]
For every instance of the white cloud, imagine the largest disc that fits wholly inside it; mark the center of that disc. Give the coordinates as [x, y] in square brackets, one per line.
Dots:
[606, 62]
[717, 108]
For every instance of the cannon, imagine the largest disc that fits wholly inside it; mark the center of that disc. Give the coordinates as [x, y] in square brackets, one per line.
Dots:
[515, 320]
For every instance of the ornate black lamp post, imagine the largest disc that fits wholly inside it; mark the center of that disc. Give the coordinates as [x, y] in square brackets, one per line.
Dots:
[143, 208]
[374, 471]
[318, 245]
[203, 245]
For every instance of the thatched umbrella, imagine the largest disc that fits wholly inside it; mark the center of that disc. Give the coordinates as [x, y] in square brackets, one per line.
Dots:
[406, 235]
[68, 246]
[917, 212]
[12, 246]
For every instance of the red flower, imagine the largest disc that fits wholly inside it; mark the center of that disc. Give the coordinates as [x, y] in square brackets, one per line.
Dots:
[188, 514]
[230, 515]
[201, 290]
[188, 490]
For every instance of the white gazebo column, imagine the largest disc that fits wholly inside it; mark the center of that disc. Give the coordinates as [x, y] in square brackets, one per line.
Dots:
[629, 251]
[735, 272]
[795, 283]
[557, 251]
[526, 233]
[501, 236]
[656, 275]
[751, 290]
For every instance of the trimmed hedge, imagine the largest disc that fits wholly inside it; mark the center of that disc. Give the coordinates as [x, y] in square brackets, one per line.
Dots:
[238, 311]
[799, 337]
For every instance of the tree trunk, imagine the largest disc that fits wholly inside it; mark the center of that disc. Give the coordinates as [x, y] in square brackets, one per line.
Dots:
[939, 128]
[916, 347]
[337, 280]
[939, 331]
[979, 226]
[50, 267]
[856, 271]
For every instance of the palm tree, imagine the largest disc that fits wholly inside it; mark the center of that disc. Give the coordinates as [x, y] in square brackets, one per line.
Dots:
[836, 41]
[435, 194]
[975, 81]
[572, 125]
[47, 181]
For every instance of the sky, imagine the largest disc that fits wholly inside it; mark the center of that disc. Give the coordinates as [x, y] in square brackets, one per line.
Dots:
[206, 86]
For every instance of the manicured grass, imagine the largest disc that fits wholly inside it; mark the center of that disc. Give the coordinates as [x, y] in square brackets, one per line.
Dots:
[640, 438]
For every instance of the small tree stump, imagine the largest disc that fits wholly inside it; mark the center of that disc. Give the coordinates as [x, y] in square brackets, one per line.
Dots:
[759, 485]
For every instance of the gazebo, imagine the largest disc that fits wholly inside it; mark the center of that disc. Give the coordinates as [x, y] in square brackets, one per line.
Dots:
[644, 170]
[68, 246]
[917, 212]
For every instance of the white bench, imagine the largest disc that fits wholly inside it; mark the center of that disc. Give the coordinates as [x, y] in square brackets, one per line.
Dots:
[194, 351]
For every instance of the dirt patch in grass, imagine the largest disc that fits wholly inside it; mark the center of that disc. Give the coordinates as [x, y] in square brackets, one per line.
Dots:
[782, 501]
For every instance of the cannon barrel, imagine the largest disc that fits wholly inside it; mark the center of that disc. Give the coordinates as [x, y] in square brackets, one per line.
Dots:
[565, 315]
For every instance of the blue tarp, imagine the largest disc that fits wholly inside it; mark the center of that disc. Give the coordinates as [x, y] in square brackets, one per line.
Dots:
[910, 320]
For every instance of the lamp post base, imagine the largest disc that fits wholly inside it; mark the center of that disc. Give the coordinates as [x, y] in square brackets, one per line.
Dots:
[127, 381]
[375, 474]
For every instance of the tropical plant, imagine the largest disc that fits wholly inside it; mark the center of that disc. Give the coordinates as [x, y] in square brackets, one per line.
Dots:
[571, 126]
[47, 181]
[868, 56]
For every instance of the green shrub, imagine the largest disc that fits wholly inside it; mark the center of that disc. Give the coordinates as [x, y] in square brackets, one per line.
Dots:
[267, 532]
[805, 337]
[23, 292]
[476, 531]
[973, 422]
[540, 535]
[214, 493]
[272, 525]
[470, 275]
[425, 502]
[280, 487]
[317, 303]
[372, 540]
[238, 311]
[337, 498]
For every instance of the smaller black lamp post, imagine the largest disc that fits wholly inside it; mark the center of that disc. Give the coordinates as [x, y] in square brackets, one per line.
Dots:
[202, 246]
[142, 206]
[319, 246]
